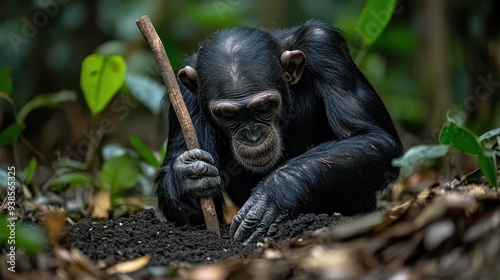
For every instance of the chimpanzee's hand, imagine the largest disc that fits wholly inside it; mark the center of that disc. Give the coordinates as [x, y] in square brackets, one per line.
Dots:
[199, 177]
[259, 216]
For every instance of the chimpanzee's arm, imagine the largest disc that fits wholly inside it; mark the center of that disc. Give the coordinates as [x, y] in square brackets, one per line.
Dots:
[337, 176]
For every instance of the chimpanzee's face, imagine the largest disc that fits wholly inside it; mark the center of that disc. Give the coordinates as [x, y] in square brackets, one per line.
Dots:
[252, 124]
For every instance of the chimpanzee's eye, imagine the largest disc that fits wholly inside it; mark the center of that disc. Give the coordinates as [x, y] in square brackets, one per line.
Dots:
[227, 114]
[263, 108]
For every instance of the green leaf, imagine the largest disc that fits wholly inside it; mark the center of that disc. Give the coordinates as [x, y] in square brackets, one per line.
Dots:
[11, 133]
[75, 180]
[6, 81]
[489, 169]
[373, 20]
[100, 79]
[119, 174]
[460, 139]
[45, 100]
[416, 154]
[30, 170]
[30, 237]
[144, 151]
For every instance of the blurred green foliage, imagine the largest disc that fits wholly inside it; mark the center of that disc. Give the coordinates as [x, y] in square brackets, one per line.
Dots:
[43, 43]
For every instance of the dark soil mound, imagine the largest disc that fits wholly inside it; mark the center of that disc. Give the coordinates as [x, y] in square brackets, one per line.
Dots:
[129, 238]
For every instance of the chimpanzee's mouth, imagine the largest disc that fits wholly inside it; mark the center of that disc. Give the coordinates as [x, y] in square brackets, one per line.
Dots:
[258, 158]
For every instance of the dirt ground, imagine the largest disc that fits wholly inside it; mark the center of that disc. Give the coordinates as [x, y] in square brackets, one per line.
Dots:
[125, 239]
[442, 231]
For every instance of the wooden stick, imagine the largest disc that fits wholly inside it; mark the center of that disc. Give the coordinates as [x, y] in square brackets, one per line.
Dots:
[174, 93]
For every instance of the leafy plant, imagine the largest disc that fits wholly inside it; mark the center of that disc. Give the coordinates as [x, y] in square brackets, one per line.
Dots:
[461, 139]
[121, 170]
[467, 142]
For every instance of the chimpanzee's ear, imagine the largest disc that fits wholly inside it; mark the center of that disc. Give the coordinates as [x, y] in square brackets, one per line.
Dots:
[293, 64]
[189, 77]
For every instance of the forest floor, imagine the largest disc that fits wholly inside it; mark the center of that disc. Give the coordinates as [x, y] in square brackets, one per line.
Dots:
[444, 231]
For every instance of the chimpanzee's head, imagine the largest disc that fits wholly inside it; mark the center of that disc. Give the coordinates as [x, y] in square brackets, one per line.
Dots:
[242, 80]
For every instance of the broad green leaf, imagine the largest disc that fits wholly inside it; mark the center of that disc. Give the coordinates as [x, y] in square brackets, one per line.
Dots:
[373, 20]
[30, 170]
[74, 180]
[11, 133]
[148, 91]
[45, 100]
[488, 167]
[144, 151]
[100, 79]
[6, 81]
[119, 174]
[416, 154]
[460, 139]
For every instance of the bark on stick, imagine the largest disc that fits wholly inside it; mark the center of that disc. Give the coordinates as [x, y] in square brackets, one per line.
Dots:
[174, 93]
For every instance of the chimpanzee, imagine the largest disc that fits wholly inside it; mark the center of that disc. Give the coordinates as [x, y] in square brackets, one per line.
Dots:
[287, 124]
